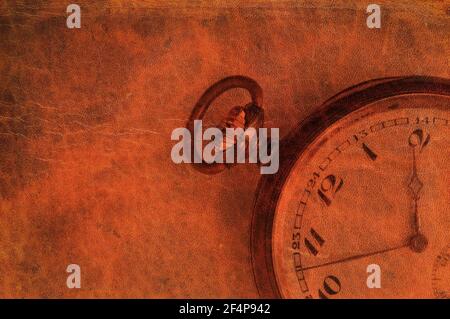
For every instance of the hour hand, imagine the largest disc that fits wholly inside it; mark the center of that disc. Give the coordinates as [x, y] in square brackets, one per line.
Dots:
[417, 140]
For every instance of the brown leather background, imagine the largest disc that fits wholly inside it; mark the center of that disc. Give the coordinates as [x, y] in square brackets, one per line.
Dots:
[86, 116]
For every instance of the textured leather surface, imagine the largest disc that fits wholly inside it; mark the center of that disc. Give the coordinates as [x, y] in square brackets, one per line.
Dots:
[86, 117]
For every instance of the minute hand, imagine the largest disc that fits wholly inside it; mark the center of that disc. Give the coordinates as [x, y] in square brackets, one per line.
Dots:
[346, 259]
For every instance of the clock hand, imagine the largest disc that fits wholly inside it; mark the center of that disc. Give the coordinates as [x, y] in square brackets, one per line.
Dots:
[418, 242]
[354, 257]
[415, 185]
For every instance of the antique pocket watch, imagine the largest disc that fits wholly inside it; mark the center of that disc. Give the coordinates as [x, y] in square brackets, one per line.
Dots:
[363, 183]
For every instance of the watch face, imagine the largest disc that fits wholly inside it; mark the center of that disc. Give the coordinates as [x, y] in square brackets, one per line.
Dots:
[363, 212]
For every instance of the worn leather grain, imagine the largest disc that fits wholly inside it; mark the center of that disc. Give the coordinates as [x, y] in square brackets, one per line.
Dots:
[86, 117]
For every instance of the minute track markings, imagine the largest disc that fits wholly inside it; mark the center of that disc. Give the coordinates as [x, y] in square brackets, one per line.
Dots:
[314, 184]
[335, 153]
[374, 203]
